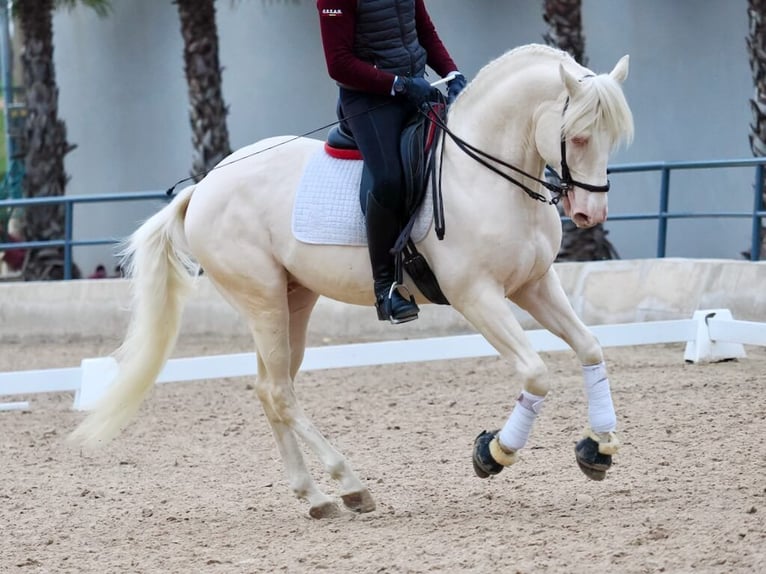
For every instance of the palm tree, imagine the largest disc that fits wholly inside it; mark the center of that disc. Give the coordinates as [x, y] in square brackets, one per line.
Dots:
[564, 18]
[756, 49]
[207, 111]
[46, 141]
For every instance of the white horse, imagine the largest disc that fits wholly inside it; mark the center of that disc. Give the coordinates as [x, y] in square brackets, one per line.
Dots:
[499, 244]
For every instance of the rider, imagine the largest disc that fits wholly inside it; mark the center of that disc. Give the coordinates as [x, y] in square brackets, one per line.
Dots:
[377, 51]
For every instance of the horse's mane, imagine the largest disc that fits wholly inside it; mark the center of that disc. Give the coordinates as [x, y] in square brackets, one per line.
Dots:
[489, 72]
[601, 104]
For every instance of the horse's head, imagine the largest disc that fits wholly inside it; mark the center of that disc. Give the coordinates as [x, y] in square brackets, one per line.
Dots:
[591, 118]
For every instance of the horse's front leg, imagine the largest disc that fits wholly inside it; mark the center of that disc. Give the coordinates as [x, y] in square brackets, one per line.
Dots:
[487, 309]
[547, 302]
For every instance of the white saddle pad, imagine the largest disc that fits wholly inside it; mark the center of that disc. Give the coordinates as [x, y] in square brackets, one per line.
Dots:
[327, 210]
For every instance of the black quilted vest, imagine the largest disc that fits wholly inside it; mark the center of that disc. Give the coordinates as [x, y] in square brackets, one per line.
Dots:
[386, 36]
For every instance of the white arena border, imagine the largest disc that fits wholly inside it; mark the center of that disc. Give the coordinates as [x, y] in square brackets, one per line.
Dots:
[711, 335]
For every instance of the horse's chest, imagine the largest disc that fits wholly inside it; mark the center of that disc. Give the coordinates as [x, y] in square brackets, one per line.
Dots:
[519, 262]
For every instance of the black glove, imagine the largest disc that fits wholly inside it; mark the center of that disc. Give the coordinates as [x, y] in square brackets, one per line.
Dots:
[455, 86]
[416, 90]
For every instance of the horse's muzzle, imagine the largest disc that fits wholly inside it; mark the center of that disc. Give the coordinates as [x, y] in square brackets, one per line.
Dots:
[584, 214]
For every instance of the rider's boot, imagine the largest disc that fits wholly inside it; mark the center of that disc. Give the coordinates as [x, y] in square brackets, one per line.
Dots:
[382, 232]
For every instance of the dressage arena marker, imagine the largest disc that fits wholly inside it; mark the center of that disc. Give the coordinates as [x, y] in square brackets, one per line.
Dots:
[711, 335]
[20, 406]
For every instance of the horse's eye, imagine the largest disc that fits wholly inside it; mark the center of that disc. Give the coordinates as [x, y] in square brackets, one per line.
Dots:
[580, 141]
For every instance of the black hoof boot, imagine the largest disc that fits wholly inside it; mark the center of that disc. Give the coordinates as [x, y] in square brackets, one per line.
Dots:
[484, 464]
[593, 464]
[393, 307]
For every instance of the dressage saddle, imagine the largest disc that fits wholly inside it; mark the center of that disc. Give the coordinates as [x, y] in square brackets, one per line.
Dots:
[417, 156]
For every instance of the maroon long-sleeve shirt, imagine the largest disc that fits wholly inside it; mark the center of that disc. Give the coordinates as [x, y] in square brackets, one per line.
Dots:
[337, 21]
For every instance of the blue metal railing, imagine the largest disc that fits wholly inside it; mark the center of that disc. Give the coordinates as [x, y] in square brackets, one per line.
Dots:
[69, 201]
[663, 215]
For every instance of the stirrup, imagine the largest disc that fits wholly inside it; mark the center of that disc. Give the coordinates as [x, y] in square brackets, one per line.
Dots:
[384, 306]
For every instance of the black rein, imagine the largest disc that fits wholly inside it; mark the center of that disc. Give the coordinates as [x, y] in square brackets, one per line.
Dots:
[566, 181]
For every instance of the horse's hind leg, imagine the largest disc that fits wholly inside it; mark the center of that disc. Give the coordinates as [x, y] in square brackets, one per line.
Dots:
[267, 312]
[300, 480]
[547, 302]
[486, 307]
[269, 324]
[353, 493]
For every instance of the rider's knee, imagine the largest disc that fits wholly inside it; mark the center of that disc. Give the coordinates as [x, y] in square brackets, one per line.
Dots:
[387, 190]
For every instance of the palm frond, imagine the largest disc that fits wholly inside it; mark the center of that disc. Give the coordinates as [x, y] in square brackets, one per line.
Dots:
[102, 7]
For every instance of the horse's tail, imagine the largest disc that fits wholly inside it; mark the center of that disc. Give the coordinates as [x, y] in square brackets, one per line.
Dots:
[157, 260]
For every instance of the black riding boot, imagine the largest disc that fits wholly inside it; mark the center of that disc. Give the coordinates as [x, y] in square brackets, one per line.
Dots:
[382, 232]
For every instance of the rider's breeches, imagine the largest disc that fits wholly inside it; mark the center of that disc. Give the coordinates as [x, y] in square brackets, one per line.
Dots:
[377, 130]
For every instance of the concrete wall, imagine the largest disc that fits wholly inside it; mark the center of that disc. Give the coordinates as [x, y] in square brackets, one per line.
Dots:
[601, 293]
[123, 98]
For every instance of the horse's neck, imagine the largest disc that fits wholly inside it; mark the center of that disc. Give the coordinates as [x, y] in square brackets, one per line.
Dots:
[501, 120]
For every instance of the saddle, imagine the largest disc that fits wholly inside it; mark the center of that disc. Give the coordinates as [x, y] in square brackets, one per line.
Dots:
[417, 150]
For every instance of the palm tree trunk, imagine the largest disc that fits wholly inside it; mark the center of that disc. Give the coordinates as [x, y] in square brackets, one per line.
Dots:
[46, 138]
[564, 18]
[207, 111]
[756, 49]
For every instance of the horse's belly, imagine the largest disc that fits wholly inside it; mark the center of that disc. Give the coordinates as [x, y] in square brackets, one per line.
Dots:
[334, 271]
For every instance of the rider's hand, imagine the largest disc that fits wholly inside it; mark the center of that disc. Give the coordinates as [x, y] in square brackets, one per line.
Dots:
[455, 86]
[416, 90]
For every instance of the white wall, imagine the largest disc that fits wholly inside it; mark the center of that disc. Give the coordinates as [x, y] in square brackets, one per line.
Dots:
[601, 292]
[123, 98]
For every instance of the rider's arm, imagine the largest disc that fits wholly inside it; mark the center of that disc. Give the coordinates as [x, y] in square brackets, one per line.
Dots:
[438, 57]
[337, 23]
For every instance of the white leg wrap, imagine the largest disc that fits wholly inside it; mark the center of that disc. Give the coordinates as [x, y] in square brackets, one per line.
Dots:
[515, 433]
[600, 407]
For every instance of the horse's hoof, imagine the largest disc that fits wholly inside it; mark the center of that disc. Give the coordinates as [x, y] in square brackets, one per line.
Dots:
[484, 464]
[593, 464]
[359, 501]
[325, 510]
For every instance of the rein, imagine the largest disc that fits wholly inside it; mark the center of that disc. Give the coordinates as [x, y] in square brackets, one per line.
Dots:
[197, 176]
[561, 189]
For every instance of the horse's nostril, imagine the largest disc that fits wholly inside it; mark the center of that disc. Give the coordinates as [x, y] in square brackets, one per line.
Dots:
[581, 220]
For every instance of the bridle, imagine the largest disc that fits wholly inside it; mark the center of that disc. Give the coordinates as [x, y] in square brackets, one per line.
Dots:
[565, 181]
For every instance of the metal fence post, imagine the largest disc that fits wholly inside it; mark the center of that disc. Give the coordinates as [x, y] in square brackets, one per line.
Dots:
[68, 225]
[662, 216]
[755, 247]
[7, 76]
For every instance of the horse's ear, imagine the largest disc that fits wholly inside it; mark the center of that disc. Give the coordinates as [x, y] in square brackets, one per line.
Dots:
[570, 82]
[620, 71]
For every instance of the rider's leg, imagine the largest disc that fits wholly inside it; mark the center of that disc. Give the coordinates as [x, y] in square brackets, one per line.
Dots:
[377, 123]
[382, 231]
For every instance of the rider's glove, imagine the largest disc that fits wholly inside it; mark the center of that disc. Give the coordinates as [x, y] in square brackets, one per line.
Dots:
[455, 86]
[416, 90]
